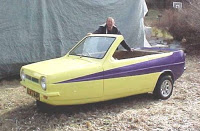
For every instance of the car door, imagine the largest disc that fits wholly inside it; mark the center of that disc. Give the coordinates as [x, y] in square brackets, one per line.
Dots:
[126, 76]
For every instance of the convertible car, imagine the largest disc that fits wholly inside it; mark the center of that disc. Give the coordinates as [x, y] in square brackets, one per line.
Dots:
[98, 69]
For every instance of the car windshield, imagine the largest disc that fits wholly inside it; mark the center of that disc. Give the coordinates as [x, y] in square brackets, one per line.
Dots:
[94, 47]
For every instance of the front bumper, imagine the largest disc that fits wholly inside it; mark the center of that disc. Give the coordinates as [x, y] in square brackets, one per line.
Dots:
[43, 96]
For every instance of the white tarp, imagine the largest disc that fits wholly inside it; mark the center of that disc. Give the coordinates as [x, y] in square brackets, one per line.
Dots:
[35, 30]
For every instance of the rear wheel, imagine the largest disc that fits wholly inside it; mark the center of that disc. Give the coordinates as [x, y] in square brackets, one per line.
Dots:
[164, 87]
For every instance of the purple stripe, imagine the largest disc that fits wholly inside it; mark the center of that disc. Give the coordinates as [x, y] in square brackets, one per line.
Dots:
[173, 63]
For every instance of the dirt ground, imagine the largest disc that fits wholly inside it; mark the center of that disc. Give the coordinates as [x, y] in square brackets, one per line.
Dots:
[181, 112]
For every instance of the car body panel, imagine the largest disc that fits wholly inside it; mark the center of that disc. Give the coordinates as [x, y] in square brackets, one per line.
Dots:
[78, 80]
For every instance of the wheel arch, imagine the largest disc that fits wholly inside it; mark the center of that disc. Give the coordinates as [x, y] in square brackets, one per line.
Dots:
[167, 72]
[157, 90]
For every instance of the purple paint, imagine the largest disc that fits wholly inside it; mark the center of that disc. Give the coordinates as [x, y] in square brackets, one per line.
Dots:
[174, 63]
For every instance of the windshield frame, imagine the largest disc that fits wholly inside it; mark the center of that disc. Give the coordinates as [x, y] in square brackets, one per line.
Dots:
[80, 43]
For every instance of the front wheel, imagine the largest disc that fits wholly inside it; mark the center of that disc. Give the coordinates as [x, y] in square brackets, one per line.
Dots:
[164, 87]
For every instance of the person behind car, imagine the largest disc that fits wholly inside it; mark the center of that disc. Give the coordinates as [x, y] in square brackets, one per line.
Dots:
[110, 28]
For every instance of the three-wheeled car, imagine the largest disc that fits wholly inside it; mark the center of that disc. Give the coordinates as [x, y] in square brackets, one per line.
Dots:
[97, 69]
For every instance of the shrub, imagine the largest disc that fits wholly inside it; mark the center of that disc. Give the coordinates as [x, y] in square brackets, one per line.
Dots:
[183, 23]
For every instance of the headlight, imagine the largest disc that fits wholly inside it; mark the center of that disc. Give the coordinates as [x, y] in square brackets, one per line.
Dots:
[43, 83]
[22, 74]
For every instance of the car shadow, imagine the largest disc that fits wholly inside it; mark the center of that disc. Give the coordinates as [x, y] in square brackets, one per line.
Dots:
[28, 117]
[116, 105]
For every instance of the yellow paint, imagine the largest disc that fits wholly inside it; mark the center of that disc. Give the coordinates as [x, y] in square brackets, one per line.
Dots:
[70, 67]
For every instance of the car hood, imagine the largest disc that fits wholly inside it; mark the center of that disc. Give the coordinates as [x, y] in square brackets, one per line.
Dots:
[60, 65]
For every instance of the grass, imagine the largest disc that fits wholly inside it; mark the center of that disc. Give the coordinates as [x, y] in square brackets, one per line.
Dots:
[161, 33]
[151, 19]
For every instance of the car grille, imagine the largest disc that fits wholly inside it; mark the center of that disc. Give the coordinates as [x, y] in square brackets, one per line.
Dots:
[32, 79]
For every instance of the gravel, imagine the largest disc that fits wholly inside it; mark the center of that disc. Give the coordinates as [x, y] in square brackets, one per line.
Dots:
[141, 112]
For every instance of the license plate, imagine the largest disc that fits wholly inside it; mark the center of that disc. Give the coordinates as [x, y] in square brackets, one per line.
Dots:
[33, 94]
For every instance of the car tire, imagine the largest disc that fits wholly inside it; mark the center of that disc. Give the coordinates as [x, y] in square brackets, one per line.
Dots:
[164, 87]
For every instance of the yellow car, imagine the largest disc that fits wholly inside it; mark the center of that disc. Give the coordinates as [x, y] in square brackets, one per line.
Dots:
[96, 69]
